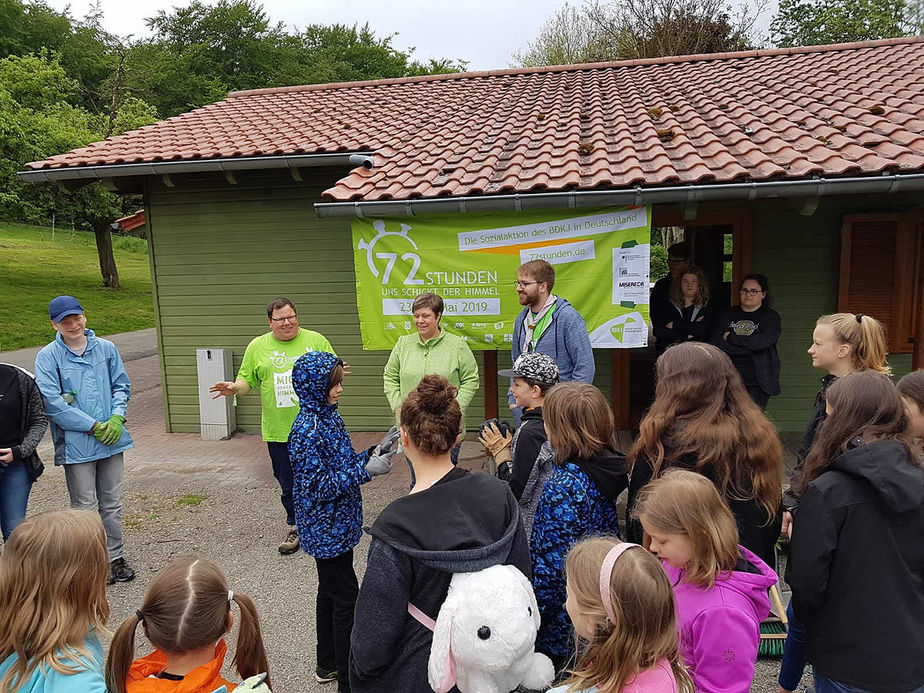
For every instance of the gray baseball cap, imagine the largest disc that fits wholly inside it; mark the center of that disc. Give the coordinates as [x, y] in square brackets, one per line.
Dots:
[533, 366]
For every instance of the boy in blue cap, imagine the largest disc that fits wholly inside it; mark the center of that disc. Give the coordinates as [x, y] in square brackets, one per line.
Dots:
[86, 391]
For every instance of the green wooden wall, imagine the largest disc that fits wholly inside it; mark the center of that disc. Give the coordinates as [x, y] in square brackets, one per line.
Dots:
[801, 257]
[220, 252]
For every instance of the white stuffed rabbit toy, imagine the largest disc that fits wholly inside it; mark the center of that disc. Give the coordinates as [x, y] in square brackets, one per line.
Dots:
[485, 631]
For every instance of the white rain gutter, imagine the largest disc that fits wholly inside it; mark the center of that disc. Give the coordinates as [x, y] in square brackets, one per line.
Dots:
[688, 194]
[352, 159]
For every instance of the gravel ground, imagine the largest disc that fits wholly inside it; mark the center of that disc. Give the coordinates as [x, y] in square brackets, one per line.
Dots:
[239, 530]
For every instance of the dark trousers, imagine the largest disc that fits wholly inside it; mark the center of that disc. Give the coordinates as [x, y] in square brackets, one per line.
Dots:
[282, 470]
[337, 592]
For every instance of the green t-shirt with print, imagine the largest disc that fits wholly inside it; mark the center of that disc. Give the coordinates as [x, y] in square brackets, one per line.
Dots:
[268, 365]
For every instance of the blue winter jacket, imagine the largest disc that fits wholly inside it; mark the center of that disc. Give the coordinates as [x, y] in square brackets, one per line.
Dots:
[565, 340]
[103, 389]
[327, 471]
[89, 678]
[578, 500]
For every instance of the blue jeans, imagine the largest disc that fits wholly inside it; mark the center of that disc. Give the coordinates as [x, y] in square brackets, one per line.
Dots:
[282, 470]
[825, 685]
[794, 656]
[14, 495]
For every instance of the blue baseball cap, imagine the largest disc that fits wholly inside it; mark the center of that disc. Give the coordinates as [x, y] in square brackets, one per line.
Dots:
[62, 306]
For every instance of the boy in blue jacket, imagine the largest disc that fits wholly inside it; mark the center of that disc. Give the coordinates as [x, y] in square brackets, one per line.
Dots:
[86, 391]
[328, 502]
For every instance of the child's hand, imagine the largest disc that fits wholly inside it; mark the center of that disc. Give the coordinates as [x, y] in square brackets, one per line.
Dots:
[6, 455]
[388, 446]
[378, 465]
[494, 440]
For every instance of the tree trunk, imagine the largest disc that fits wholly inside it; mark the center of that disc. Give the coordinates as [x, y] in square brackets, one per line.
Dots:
[107, 265]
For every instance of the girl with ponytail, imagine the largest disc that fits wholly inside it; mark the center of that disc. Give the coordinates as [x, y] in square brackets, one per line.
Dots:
[453, 521]
[185, 615]
[842, 343]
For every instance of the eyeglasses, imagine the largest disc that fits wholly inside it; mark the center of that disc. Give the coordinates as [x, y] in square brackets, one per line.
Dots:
[518, 284]
[750, 292]
[287, 318]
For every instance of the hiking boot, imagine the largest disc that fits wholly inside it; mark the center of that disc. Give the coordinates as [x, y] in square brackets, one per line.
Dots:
[120, 571]
[325, 675]
[290, 545]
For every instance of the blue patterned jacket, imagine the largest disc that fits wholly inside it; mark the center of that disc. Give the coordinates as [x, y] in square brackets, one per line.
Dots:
[327, 471]
[572, 506]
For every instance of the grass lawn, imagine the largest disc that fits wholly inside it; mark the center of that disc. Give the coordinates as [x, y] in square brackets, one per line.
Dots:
[36, 268]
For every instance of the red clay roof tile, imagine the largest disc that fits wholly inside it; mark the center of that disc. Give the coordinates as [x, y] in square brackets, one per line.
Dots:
[755, 115]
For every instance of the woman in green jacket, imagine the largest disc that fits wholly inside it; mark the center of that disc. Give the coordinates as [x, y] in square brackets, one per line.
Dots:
[431, 351]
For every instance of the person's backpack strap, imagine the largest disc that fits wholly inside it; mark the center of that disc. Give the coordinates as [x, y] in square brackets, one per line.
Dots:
[449, 671]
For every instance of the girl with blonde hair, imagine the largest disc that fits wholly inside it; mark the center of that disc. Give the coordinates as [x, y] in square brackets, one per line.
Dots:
[720, 587]
[186, 614]
[842, 343]
[622, 607]
[702, 419]
[53, 603]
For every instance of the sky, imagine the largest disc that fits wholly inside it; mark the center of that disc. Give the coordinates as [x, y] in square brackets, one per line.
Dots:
[486, 33]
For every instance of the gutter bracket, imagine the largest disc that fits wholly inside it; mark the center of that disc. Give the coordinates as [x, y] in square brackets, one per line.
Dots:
[168, 181]
[462, 207]
[572, 203]
[296, 174]
[895, 184]
[408, 208]
[517, 203]
[357, 209]
[752, 193]
[691, 207]
[638, 195]
[229, 176]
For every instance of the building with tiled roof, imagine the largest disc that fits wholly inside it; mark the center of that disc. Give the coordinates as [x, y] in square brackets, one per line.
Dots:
[808, 162]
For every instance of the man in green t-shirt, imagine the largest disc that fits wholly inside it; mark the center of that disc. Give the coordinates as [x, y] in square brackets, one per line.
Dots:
[267, 364]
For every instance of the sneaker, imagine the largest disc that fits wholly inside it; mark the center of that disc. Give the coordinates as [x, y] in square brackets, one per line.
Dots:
[290, 545]
[325, 675]
[120, 571]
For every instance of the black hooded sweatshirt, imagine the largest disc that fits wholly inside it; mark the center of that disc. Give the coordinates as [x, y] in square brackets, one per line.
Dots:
[858, 568]
[463, 523]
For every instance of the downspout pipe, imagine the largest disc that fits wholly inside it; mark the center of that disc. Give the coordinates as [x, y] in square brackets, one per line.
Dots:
[251, 163]
[708, 192]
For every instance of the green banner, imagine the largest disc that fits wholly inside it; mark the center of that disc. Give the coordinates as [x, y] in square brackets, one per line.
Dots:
[601, 260]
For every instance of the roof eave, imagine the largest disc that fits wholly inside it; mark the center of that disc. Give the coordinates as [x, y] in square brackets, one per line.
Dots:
[252, 163]
[688, 194]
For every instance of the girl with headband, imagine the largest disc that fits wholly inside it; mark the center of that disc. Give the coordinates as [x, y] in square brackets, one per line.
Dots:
[720, 587]
[622, 608]
[186, 614]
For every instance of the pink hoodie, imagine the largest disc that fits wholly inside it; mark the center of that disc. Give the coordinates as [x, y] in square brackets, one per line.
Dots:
[720, 627]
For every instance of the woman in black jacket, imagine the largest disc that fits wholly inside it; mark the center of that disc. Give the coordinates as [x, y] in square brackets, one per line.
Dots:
[22, 425]
[857, 558]
[748, 333]
[453, 521]
[688, 316]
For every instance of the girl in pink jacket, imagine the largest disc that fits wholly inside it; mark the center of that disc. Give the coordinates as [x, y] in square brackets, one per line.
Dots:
[720, 587]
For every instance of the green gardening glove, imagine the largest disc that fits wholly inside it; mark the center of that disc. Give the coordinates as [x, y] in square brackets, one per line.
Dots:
[112, 430]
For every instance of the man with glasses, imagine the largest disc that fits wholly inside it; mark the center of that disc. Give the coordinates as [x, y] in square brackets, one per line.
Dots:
[549, 325]
[659, 304]
[267, 364]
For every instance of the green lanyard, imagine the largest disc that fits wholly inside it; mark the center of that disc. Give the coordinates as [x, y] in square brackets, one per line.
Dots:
[541, 326]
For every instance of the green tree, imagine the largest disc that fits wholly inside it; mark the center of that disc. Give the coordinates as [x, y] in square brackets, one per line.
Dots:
[37, 121]
[819, 22]
[631, 29]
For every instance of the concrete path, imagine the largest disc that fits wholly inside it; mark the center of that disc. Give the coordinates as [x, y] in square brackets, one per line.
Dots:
[132, 346]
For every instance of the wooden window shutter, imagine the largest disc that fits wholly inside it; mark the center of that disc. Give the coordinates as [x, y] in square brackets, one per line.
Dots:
[878, 271]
